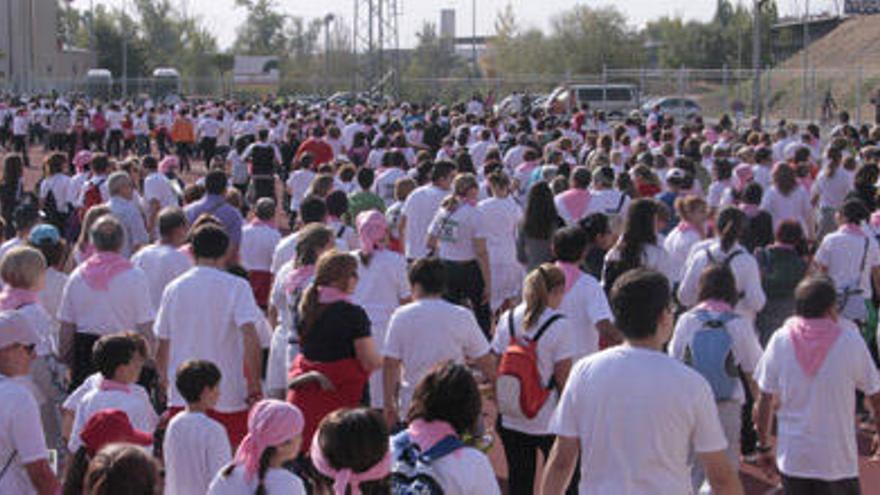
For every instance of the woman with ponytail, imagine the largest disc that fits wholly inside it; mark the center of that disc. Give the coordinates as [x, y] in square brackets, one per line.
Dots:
[458, 238]
[829, 192]
[287, 289]
[691, 229]
[335, 340]
[788, 200]
[726, 250]
[382, 283]
[273, 439]
[543, 292]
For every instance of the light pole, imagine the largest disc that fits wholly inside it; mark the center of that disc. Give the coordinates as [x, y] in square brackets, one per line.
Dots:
[124, 54]
[757, 100]
[474, 34]
[328, 19]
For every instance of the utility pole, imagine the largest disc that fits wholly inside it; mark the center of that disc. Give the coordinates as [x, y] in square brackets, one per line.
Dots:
[806, 59]
[328, 19]
[124, 55]
[757, 99]
[474, 35]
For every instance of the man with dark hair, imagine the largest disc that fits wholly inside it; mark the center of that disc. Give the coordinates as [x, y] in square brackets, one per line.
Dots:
[208, 301]
[634, 413]
[808, 375]
[264, 157]
[312, 210]
[365, 199]
[104, 294]
[420, 208]
[214, 203]
[427, 332]
[162, 261]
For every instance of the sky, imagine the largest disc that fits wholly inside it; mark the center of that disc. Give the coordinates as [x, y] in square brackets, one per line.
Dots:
[222, 19]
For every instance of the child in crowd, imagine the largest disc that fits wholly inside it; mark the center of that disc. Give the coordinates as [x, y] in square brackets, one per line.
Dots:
[350, 453]
[195, 446]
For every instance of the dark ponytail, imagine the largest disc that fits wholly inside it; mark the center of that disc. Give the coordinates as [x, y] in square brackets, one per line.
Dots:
[731, 224]
[76, 473]
[264, 467]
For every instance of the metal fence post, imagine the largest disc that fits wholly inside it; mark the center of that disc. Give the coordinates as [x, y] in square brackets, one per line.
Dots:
[768, 72]
[725, 101]
[859, 96]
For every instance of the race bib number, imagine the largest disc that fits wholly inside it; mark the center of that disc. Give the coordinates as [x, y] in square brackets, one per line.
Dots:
[448, 231]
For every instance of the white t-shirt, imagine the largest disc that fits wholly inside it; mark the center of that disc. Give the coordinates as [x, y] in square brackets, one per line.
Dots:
[60, 186]
[796, 206]
[161, 263]
[745, 272]
[41, 323]
[456, 232]
[277, 482]
[158, 187]
[503, 215]
[50, 296]
[297, 185]
[678, 244]
[195, 448]
[745, 347]
[135, 403]
[816, 436]
[637, 414]
[585, 304]
[430, 331]
[21, 432]
[467, 471]
[653, 257]
[201, 313]
[257, 247]
[381, 286]
[285, 251]
[841, 254]
[384, 185]
[607, 201]
[556, 345]
[832, 191]
[124, 305]
[419, 209]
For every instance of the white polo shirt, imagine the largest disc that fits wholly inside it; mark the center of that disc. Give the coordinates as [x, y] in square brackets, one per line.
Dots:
[161, 263]
[201, 314]
[637, 414]
[419, 209]
[21, 432]
[817, 436]
[258, 244]
[124, 305]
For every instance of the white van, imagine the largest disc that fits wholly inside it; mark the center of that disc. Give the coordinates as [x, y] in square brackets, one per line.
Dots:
[99, 83]
[616, 100]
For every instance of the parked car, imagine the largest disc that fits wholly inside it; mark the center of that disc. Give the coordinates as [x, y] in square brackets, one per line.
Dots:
[678, 108]
[616, 100]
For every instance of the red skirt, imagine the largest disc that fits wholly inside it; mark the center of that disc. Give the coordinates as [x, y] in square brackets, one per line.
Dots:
[261, 284]
[347, 377]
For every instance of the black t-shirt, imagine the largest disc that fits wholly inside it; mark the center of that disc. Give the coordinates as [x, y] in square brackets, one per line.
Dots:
[332, 336]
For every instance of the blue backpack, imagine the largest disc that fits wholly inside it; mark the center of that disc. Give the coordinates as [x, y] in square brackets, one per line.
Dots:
[710, 353]
[411, 470]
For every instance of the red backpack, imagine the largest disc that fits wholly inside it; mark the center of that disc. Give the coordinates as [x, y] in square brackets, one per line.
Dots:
[519, 390]
[93, 196]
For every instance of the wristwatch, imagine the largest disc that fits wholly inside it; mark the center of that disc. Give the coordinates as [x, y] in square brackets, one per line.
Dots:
[763, 449]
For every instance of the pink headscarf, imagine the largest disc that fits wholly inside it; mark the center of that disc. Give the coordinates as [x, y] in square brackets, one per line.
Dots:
[271, 422]
[82, 159]
[372, 230]
[12, 298]
[345, 478]
[812, 340]
[168, 164]
[102, 267]
[743, 175]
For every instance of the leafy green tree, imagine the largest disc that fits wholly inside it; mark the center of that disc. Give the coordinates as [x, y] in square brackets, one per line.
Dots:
[263, 31]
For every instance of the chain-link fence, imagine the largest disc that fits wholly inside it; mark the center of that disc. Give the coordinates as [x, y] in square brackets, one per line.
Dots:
[813, 94]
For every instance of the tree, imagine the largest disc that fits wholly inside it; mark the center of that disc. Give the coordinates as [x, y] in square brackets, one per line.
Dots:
[262, 32]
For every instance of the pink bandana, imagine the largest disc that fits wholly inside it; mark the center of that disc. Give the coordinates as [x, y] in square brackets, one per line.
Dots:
[812, 340]
[743, 175]
[270, 422]
[851, 229]
[875, 219]
[168, 164]
[297, 278]
[100, 268]
[82, 159]
[108, 385]
[426, 434]
[572, 273]
[715, 306]
[372, 230]
[330, 295]
[343, 479]
[12, 298]
[575, 201]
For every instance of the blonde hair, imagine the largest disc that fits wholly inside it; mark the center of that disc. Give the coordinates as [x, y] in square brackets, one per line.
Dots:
[321, 185]
[22, 266]
[536, 291]
[460, 187]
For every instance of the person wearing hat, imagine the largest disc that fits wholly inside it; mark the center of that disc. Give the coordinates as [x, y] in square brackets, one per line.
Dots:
[25, 217]
[105, 427]
[677, 182]
[24, 459]
[47, 239]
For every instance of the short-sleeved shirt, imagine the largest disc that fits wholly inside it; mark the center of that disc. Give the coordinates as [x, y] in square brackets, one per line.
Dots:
[217, 206]
[456, 231]
[162, 263]
[124, 305]
[419, 209]
[381, 285]
[816, 436]
[841, 254]
[158, 187]
[277, 481]
[195, 448]
[132, 220]
[637, 414]
[334, 332]
[21, 432]
[585, 305]
[258, 244]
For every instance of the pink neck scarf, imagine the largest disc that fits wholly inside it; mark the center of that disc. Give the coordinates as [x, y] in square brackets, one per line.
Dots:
[715, 306]
[343, 479]
[576, 202]
[263, 223]
[851, 229]
[297, 278]
[102, 267]
[426, 434]
[12, 298]
[526, 167]
[108, 385]
[270, 422]
[372, 230]
[685, 226]
[812, 340]
[875, 219]
[751, 211]
[572, 273]
[330, 295]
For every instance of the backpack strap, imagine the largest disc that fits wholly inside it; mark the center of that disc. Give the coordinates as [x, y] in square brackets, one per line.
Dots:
[408, 450]
[546, 326]
[510, 327]
[444, 447]
[864, 258]
[340, 232]
[731, 256]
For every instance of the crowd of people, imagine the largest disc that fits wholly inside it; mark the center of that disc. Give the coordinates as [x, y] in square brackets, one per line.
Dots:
[232, 297]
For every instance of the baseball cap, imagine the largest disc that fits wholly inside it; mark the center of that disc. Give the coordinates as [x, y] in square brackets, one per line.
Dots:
[675, 174]
[111, 426]
[14, 329]
[44, 234]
